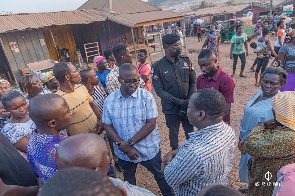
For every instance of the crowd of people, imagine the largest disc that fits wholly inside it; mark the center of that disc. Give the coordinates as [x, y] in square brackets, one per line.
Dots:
[68, 131]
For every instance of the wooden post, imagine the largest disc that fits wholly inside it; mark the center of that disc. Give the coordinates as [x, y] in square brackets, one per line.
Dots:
[54, 44]
[134, 45]
[184, 37]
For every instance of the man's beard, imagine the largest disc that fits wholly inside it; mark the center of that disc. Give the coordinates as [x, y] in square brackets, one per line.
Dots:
[211, 73]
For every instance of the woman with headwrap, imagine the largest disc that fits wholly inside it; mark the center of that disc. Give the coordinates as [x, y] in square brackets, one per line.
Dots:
[286, 59]
[259, 109]
[102, 69]
[49, 81]
[271, 144]
[212, 41]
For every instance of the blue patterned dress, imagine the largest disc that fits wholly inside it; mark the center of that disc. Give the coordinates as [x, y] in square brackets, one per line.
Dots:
[253, 114]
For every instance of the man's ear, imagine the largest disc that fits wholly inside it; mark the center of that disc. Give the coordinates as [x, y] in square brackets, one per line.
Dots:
[201, 115]
[119, 79]
[67, 77]
[51, 123]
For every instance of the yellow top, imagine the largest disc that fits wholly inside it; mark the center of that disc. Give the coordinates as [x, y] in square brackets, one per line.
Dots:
[83, 118]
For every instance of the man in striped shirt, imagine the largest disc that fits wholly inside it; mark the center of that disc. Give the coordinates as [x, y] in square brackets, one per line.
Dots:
[207, 157]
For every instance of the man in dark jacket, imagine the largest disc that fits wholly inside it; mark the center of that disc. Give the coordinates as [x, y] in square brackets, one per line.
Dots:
[174, 81]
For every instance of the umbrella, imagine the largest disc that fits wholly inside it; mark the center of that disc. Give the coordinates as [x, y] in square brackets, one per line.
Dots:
[198, 21]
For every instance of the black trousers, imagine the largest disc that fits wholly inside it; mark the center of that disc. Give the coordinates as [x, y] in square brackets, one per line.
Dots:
[262, 64]
[243, 60]
[173, 123]
[154, 166]
[276, 49]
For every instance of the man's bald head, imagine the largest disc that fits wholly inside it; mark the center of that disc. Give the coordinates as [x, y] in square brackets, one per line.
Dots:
[83, 150]
[127, 68]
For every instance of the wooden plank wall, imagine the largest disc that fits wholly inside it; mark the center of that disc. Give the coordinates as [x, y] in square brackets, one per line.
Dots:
[64, 38]
[30, 49]
[85, 33]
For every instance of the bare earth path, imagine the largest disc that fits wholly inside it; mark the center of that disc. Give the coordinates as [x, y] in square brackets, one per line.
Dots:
[244, 90]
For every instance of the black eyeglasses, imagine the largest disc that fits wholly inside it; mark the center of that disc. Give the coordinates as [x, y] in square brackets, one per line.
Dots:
[129, 82]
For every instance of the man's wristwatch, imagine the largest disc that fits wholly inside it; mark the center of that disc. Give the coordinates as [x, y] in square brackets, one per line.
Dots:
[131, 143]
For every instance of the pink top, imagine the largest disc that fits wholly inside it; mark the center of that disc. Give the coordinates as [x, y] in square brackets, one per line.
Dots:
[145, 69]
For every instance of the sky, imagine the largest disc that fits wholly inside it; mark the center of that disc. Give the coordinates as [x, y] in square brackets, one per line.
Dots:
[28, 6]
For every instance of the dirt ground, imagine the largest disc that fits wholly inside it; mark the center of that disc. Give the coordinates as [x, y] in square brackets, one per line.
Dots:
[244, 90]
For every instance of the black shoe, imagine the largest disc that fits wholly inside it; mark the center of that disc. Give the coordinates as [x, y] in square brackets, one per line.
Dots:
[120, 169]
[112, 172]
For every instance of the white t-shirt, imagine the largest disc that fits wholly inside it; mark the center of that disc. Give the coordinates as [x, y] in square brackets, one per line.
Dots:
[282, 34]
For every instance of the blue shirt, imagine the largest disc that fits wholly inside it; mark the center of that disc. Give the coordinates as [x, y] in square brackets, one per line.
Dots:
[253, 114]
[128, 116]
[103, 76]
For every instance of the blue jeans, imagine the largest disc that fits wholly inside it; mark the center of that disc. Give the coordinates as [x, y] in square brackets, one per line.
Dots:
[154, 166]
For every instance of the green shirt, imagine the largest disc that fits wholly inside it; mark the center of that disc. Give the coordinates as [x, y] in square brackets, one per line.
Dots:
[238, 42]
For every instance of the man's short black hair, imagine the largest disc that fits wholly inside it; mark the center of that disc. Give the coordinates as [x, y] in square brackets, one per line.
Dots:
[221, 190]
[265, 21]
[265, 31]
[79, 181]
[278, 71]
[206, 53]
[126, 67]
[210, 101]
[10, 96]
[60, 70]
[84, 73]
[118, 50]
[253, 45]
[143, 51]
[44, 108]
[238, 26]
[279, 23]
[107, 53]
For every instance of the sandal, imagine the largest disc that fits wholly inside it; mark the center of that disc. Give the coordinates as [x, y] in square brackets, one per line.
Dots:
[243, 76]
[233, 75]
[243, 189]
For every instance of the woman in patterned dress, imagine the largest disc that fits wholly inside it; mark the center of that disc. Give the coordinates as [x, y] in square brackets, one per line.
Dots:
[271, 145]
[212, 41]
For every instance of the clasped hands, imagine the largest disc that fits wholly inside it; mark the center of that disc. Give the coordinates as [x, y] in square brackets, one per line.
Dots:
[130, 151]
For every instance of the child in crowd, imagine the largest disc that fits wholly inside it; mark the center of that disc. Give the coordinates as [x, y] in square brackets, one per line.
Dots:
[102, 69]
[19, 126]
[79, 55]
[31, 86]
[4, 115]
[51, 114]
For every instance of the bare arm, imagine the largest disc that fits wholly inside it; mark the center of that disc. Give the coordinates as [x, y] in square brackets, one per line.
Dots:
[95, 110]
[145, 130]
[231, 50]
[271, 48]
[9, 190]
[282, 58]
[22, 144]
[246, 47]
[227, 109]
[112, 134]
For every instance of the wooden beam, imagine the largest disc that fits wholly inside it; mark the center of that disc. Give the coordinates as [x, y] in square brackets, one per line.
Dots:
[158, 21]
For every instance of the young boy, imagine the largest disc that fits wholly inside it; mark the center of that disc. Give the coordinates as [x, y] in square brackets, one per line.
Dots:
[51, 114]
[144, 69]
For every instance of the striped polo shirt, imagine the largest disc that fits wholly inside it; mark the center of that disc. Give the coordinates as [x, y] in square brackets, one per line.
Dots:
[207, 157]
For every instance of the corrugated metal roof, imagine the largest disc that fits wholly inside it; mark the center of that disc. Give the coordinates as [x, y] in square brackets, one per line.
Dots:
[13, 22]
[139, 19]
[119, 6]
[214, 10]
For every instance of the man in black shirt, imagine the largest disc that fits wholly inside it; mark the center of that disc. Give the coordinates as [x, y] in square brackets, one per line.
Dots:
[174, 81]
[16, 174]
